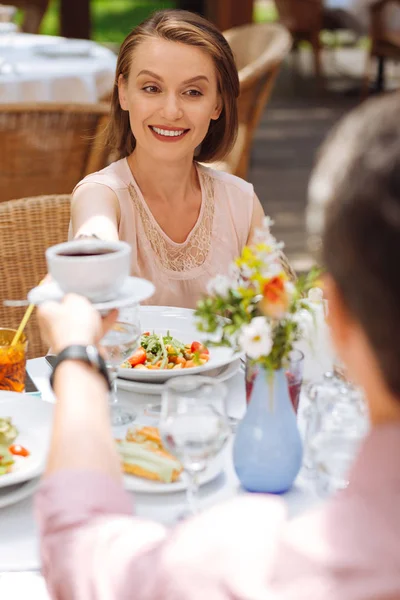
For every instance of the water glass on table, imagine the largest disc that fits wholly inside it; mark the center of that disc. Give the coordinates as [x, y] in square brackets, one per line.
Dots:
[12, 361]
[119, 343]
[337, 422]
[194, 426]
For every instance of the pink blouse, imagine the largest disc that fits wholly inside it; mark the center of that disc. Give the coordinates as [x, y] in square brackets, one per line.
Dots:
[181, 272]
[92, 548]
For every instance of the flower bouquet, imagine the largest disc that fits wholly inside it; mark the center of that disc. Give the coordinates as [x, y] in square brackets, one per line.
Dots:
[257, 309]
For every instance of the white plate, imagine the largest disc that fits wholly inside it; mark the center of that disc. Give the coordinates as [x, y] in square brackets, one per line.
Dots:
[180, 323]
[133, 291]
[155, 389]
[14, 493]
[146, 486]
[71, 48]
[33, 418]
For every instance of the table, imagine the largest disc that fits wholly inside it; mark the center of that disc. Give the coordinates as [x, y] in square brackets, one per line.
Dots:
[35, 77]
[18, 539]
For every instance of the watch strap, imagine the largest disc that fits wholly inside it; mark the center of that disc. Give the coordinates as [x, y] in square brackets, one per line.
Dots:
[87, 354]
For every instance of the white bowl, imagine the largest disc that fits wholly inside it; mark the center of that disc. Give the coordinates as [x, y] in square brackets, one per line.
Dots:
[96, 269]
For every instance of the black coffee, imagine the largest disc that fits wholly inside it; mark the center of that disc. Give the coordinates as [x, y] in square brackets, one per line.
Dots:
[88, 253]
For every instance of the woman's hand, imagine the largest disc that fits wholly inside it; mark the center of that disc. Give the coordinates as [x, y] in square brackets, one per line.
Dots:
[72, 321]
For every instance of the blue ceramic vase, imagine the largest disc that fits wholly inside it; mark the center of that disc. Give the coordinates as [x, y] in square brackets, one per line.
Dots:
[267, 451]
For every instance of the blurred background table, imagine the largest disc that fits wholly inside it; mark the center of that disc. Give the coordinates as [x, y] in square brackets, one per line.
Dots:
[40, 68]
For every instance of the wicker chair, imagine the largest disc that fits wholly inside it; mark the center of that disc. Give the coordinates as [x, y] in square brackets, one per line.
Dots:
[47, 148]
[259, 50]
[27, 228]
[385, 44]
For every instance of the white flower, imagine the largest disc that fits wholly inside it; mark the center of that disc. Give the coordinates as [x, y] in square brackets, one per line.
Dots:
[234, 272]
[315, 295]
[256, 338]
[220, 285]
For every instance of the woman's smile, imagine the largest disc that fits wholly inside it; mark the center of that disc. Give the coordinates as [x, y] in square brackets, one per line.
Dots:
[168, 134]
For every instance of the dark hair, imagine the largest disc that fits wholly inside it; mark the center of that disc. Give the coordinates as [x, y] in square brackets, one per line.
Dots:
[357, 178]
[191, 29]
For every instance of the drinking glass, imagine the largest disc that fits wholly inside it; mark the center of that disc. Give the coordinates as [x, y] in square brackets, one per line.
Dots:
[119, 343]
[194, 426]
[294, 376]
[12, 361]
[337, 422]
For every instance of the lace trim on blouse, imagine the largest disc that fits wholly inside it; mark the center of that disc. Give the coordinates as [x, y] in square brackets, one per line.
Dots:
[193, 252]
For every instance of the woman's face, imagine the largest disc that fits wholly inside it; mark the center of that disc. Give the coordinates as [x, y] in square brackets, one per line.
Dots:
[171, 95]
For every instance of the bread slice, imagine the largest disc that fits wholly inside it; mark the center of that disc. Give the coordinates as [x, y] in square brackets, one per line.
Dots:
[143, 455]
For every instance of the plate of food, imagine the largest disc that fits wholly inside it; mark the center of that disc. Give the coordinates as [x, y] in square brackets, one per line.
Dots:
[150, 469]
[171, 346]
[25, 428]
[155, 389]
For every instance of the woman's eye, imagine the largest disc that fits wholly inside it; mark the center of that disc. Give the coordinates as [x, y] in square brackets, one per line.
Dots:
[151, 89]
[194, 93]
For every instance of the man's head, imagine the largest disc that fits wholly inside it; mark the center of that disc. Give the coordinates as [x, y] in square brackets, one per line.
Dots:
[354, 210]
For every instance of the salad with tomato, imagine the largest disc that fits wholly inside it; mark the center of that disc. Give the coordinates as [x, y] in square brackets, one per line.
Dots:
[166, 352]
[8, 450]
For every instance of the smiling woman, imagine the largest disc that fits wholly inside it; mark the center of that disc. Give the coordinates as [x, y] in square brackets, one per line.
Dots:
[173, 107]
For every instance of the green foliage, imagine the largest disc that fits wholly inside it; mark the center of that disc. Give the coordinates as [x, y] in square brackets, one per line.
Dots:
[112, 20]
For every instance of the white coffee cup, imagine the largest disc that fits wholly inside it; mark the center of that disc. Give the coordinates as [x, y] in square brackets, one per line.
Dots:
[89, 267]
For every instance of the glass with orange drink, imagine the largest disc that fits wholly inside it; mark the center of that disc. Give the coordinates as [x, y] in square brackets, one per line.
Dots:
[12, 361]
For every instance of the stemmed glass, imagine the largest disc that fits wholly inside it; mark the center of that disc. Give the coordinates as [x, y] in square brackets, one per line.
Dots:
[194, 426]
[119, 343]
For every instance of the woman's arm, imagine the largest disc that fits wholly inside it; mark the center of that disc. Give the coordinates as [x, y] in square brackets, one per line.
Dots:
[95, 211]
[256, 219]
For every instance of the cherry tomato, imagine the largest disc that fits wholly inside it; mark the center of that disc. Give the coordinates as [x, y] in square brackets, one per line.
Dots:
[138, 357]
[18, 450]
[200, 348]
[146, 333]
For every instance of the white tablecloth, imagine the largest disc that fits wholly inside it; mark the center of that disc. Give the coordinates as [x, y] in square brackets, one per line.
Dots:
[18, 533]
[28, 76]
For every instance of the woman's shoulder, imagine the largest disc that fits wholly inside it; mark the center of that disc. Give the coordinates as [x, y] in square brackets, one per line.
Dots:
[114, 176]
[233, 185]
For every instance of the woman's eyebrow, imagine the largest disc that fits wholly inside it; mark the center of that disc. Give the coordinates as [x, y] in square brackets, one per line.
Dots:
[155, 76]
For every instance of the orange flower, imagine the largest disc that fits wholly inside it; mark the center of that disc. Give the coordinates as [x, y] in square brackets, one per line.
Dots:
[275, 299]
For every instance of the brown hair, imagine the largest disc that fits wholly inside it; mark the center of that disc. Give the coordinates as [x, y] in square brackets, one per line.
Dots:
[355, 202]
[191, 29]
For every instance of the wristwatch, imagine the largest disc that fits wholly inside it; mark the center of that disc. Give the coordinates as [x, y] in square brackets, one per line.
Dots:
[87, 354]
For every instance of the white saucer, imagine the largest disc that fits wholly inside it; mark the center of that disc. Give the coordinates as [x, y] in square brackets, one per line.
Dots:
[155, 389]
[133, 291]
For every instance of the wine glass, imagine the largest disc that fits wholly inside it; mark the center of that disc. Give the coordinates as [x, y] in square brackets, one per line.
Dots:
[194, 426]
[119, 343]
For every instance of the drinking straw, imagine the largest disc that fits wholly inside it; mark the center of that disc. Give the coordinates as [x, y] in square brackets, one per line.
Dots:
[25, 319]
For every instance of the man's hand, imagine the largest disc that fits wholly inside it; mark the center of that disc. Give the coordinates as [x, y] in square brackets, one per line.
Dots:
[72, 321]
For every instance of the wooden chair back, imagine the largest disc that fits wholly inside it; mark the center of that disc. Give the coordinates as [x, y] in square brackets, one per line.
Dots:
[27, 228]
[48, 148]
[259, 50]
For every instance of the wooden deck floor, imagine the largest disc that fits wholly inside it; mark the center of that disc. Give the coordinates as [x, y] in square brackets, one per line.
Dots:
[293, 126]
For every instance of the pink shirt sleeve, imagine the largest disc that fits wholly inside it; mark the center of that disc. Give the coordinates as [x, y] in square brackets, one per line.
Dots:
[93, 548]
